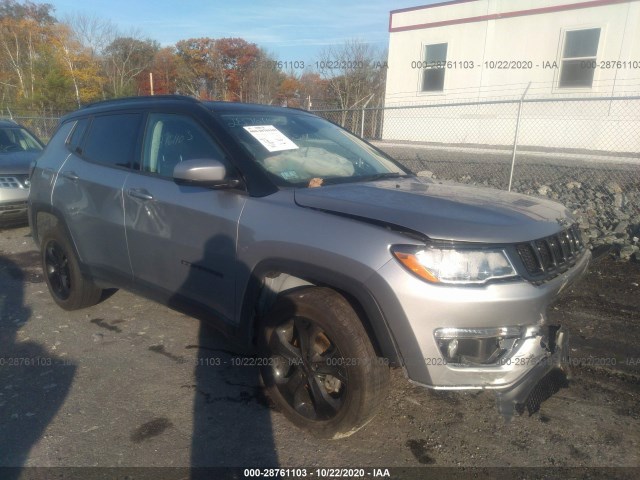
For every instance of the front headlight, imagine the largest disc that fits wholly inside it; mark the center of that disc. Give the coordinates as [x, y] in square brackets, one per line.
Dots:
[451, 266]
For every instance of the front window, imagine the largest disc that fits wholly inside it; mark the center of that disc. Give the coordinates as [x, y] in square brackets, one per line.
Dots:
[18, 140]
[579, 58]
[435, 57]
[296, 148]
[171, 139]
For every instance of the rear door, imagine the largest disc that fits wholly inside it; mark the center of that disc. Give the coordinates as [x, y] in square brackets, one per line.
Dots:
[89, 186]
[182, 239]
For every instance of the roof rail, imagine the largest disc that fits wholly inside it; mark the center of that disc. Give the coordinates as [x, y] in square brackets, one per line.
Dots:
[146, 98]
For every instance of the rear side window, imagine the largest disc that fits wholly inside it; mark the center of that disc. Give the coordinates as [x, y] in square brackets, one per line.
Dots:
[59, 138]
[76, 136]
[112, 139]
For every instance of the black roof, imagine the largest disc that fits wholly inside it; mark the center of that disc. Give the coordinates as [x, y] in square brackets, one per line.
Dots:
[246, 107]
[140, 99]
[148, 101]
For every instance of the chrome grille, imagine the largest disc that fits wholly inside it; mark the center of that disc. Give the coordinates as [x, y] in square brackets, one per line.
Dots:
[556, 249]
[546, 257]
[12, 207]
[528, 257]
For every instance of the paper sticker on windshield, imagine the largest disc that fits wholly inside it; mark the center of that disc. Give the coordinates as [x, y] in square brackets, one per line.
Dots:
[289, 175]
[271, 138]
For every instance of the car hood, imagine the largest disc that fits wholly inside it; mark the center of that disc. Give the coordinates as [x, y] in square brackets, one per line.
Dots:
[442, 211]
[17, 163]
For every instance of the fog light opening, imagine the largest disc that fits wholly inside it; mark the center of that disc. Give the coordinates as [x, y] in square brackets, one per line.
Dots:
[452, 348]
[476, 346]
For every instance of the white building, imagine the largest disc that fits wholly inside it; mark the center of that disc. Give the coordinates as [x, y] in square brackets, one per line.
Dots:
[478, 50]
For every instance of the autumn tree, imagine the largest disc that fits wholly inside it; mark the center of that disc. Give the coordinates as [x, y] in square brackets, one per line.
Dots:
[289, 91]
[79, 64]
[165, 69]
[25, 31]
[124, 59]
[226, 69]
[238, 58]
[47, 65]
[199, 68]
[315, 91]
[93, 34]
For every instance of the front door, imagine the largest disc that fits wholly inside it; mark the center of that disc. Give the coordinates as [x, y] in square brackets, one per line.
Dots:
[182, 239]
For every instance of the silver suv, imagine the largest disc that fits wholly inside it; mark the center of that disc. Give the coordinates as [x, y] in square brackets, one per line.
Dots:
[18, 149]
[295, 237]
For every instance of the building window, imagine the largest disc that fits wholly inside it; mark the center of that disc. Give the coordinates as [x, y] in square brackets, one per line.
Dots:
[579, 58]
[435, 56]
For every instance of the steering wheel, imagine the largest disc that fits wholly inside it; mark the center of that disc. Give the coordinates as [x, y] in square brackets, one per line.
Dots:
[363, 168]
[12, 147]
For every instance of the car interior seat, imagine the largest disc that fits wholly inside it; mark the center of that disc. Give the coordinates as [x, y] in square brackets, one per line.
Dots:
[172, 147]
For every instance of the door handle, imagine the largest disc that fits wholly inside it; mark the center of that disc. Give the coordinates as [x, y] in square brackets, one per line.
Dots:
[69, 175]
[140, 193]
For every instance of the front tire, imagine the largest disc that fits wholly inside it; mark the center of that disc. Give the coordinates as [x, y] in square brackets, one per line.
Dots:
[69, 288]
[319, 366]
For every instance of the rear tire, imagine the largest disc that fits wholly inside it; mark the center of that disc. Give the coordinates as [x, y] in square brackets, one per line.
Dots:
[319, 366]
[69, 288]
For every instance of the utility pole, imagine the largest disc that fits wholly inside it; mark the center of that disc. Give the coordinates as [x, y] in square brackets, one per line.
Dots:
[151, 82]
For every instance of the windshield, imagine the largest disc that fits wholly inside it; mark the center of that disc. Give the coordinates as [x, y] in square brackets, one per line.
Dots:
[296, 148]
[17, 140]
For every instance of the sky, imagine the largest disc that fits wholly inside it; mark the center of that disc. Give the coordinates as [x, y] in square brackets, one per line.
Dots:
[290, 30]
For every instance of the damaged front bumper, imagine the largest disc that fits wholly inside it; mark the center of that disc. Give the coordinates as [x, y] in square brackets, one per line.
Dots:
[496, 337]
[545, 378]
[540, 365]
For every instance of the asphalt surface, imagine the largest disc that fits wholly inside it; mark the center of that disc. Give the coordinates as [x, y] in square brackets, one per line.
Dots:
[132, 383]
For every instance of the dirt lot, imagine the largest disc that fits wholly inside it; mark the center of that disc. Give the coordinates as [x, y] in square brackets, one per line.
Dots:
[132, 383]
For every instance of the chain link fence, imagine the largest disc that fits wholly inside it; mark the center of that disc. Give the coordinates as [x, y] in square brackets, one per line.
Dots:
[582, 152]
[43, 127]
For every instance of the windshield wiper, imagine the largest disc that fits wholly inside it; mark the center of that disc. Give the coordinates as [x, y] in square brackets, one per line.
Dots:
[364, 178]
[378, 176]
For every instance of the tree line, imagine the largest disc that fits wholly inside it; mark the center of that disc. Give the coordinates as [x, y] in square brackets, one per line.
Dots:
[49, 66]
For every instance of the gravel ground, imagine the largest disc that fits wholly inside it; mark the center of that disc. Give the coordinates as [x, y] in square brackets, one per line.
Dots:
[131, 383]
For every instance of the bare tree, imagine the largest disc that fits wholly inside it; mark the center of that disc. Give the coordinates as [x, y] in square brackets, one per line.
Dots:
[124, 59]
[94, 33]
[264, 79]
[354, 75]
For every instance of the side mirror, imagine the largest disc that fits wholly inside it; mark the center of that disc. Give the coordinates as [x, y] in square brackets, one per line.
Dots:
[205, 172]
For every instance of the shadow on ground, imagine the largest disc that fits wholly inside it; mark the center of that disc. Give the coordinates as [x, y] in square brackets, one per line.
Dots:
[33, 382]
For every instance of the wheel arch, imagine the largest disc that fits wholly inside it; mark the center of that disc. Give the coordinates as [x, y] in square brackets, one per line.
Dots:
[271, 278]
[45, 218]
[42, 219]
